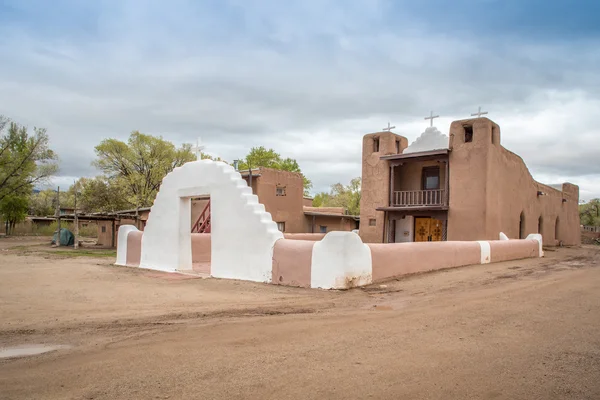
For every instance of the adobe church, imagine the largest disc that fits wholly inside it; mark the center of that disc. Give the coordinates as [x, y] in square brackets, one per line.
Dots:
[463, 187]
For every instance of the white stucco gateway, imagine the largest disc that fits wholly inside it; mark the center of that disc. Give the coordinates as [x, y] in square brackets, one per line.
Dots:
[243, 233]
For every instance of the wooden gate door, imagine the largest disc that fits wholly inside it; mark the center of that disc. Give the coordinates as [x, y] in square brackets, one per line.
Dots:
[428, 229]
[422, 229]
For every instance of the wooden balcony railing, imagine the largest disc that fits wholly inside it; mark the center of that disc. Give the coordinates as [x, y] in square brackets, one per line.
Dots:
[419, 198]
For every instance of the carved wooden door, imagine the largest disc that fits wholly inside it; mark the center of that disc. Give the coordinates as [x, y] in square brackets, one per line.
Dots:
[422, 229]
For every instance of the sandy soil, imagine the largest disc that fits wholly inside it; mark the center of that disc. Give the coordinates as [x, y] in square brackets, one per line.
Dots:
[525, 329]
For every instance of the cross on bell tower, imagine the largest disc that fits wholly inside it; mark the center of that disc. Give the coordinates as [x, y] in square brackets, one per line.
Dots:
[389, 128]
[479, 113]
[431, 117]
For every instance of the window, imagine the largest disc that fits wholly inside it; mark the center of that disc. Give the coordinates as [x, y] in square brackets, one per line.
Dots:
[431, 178]
[468, 133]
[281, 226]
[375, 145]
[323, 228]
[280, 191]
[397, 147]
[103, 229]
[372, 222]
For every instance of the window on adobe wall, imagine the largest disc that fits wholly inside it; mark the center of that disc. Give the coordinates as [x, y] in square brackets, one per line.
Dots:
[281, 226]
[468, 133]
[323, 228]
[103, 229]
[280, 191]
[493, 133]
[372, 222]
[375, 145]
[397, 147]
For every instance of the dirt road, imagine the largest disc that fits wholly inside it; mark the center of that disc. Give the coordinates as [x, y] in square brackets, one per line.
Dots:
[526, 329]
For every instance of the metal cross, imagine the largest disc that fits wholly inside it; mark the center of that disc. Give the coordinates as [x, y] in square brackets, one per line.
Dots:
[431, 117]
[479, 113]
[198, 149]
[389, 128]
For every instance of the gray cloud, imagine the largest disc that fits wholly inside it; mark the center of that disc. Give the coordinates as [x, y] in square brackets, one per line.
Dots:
[309, 91]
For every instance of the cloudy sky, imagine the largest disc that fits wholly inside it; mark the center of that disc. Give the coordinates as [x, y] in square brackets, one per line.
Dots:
[307, 78]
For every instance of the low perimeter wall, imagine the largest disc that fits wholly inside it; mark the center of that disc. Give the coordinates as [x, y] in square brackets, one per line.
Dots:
[342, 261]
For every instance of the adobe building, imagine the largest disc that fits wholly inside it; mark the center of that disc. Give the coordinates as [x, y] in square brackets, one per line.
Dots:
[282, 194]
[463, 188]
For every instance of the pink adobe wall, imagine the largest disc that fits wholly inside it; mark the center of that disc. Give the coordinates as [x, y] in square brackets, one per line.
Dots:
[134, 248]
[396, 259]
[304, 236]
[292, 261]
[201, 248]
[504, 250]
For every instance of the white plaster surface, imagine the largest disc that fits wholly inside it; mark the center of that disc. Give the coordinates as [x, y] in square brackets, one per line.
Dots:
[341, 261]
[242, 232]
[403, 226]
[538, 237]
[122, 243]
[503, 236]
[486, 251]
[431, 139]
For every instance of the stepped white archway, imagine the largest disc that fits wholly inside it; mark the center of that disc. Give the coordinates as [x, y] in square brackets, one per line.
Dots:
[242, 232]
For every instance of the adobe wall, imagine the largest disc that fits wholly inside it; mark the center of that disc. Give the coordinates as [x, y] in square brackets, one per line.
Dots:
[491, 186]
[325, 210]
[332, 223]
[292, 261]
[395, 259]
[304, 236]
[376, 182]
[288, 208]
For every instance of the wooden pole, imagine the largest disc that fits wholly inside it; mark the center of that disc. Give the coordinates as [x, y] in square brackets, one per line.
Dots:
[58, 216]
[76, 222]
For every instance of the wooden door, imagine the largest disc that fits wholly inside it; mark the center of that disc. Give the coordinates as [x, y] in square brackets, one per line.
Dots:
[428, 229]
[422, 229]
[435, 230]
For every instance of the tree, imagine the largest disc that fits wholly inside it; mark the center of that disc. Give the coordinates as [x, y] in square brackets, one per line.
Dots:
[589, 212]
[25, 159]
[268, 158]
[139, 166]
[43, 203]
[346, 196]
[100, 195]
[13, 209]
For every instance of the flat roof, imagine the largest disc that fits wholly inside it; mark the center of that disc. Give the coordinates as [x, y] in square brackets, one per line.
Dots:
[417, 154]
[318, 214]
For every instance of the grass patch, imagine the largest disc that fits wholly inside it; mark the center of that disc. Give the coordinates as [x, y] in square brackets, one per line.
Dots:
[83, 253]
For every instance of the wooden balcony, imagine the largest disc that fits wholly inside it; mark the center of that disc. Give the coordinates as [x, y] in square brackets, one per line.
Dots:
[419, 198]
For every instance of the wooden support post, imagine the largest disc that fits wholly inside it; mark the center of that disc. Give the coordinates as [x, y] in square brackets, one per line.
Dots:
[76, 222]
[447, 199]
[58, 216]
[391, 186]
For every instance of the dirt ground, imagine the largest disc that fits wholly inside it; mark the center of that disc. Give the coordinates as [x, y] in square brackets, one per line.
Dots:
[526, 329]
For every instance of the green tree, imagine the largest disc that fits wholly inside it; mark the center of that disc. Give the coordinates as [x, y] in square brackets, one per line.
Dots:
[25, 159]
[13, 209]
[589, 213]
[43, 203]
[269, 158]
[99, 194]
[139, 166]
[346, 196]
